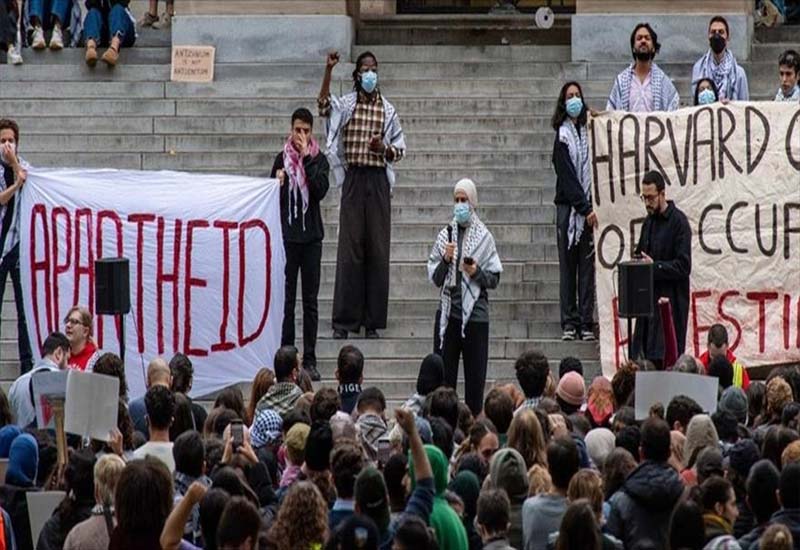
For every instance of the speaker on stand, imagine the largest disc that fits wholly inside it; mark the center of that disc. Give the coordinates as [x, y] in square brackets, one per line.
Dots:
[112, 293]
[635, 299]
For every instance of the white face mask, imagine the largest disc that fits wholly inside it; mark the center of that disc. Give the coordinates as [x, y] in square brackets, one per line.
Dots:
[13, 149]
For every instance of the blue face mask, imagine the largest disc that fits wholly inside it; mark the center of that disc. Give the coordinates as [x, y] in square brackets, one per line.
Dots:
[706, 97]
[574, 107]
[461, 212]
[369, 81]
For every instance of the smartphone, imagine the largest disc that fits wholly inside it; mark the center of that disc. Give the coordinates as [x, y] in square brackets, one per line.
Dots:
[468, 260]
[384, 450]
[237, 434]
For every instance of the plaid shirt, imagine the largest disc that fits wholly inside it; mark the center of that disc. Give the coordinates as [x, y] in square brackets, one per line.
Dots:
[191, 531]
[366, 122]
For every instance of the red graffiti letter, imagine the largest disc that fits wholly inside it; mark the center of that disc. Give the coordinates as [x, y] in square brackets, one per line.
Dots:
[40, 211]
[697, 329]
[163, 277]
[103, 215]
[732, 320]
[59, 269]
[762, 298]
[140, 220]
[190, 282]
[244, 340]
[223, 344]
[88, 268]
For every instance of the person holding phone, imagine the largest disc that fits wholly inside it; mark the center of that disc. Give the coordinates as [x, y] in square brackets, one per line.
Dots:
[464, 263]
[364, 141]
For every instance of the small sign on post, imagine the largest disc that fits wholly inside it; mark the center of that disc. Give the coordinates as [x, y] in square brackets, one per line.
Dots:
[193, 63]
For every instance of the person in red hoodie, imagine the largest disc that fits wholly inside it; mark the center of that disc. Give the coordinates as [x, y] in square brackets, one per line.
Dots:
[718, 346]
[78, 328]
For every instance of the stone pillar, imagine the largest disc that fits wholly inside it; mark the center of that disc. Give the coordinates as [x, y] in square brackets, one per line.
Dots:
[601, 28]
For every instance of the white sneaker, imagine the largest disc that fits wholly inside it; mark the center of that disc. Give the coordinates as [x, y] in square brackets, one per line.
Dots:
[38, 39]
[57, 39]
[14, 57]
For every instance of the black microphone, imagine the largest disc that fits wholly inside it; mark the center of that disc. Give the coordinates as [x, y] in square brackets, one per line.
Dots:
[449, 233]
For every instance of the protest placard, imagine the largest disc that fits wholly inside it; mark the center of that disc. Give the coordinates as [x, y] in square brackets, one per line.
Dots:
[193, 63]
[41, 505]
[48, 386]
[92, 404]
[662, 386]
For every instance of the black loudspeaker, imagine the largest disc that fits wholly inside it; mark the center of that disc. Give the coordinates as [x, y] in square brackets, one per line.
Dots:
[635, 289]
[112, 287]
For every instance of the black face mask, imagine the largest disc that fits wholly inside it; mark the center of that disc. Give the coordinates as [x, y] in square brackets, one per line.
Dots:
[717, 43]
[643, 56]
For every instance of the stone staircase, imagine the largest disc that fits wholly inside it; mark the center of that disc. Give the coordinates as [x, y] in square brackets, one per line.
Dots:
[468, 111]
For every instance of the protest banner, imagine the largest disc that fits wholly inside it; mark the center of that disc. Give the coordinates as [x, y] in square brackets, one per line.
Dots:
[662, 386]
[735, 171]
[206, 262]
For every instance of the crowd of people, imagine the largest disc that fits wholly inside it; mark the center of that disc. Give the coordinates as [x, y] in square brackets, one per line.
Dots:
[547, 463]
[56, 24]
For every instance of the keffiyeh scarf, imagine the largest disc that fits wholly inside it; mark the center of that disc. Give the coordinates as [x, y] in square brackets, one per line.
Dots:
[298, 185]
[266, 428]
[479, 245]
[794, 96]
[723, 74]
[577, 143]
[665, 97]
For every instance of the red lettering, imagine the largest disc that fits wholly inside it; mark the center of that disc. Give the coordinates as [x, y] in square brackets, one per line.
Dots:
[103, 215]
[88, 268]
[697, 328]
[244, 340]
[140, 220]
[163, 277]
[798, 322]
[732, 320]
[619, 341]
[40, 211]
[58, 269]
[787, 303]
[190, 282]
[223, 344]
[762, 298]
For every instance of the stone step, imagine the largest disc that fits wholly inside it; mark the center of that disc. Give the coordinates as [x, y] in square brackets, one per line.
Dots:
[770, 52]
[81, 109]
[782, 34]
[463, 54]
[75, 56]
[77, 90]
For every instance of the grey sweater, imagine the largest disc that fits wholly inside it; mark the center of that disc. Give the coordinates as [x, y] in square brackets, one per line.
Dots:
[541, 515]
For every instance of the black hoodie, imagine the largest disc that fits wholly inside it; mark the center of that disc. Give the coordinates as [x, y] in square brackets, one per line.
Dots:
[641, 510]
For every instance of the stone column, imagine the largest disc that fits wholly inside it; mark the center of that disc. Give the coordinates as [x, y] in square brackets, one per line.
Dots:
[601, 29]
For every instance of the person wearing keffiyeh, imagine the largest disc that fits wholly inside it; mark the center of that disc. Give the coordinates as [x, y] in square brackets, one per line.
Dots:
[464, 263]
[303, 174]
[719, 64]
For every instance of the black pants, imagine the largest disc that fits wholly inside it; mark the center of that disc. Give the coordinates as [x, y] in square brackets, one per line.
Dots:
[303, 259]
[361, 296]
[576, 273]
[8, 28]
[10, 266]
[473, 348]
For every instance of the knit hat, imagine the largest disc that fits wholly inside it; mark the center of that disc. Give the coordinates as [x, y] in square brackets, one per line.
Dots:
[507, 471]
[571, 389]
[600, 401]
[319, 446]
[699, 433]
[23, 461]
[599, 444]
[296, 440]
[467, 485]
[779, 393]
[742, 455]
[372, 498]
[431, 374]
[468, 186]
[7, 436]
[266, 428]
[709, 462]
[357, 532]
[734, 401]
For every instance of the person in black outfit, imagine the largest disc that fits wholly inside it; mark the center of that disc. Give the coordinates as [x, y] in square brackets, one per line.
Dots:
[12, 178]
[666, 242]
[303, 174]
[574, 216]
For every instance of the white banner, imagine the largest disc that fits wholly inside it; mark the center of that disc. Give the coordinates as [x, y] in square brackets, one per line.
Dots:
[734, 170]
[206, 265]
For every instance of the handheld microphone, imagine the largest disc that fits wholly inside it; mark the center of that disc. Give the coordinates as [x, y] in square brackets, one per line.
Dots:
[449, 233]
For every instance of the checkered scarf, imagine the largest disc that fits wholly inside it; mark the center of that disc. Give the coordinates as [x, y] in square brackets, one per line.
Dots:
[723, 74]
[12, 237]
[298, 185]
[794, 96]
[266, 428]
[665, 97]
[574, 138]
[479, 245]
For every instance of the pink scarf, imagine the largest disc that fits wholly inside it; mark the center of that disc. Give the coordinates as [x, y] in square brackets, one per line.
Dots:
[293, 163]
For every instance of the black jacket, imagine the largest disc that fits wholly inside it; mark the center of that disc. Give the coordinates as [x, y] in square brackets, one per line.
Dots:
[641, 510]
[568, 186]
[56, 529]
[667, 239]
[790, 517]
[317, 176]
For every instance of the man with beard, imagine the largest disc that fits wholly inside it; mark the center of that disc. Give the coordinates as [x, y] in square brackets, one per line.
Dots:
[666, 242]
[719, 64]
[643, 86]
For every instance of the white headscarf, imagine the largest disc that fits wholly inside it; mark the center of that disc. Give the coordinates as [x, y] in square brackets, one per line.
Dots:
[468, 187]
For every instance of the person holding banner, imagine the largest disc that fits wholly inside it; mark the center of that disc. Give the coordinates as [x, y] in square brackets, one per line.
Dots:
[643, 86]
[666, 242]
[303, 174]
[364, 141]
[720, 65]
[789, 67]
[13, 173]
[464, 263]
[574, 216]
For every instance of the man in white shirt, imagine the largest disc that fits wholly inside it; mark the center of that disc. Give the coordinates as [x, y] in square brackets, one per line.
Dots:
[55, 356]
[160, 404]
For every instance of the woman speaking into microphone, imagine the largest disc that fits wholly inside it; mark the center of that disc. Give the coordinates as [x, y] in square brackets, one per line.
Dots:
[465, 265]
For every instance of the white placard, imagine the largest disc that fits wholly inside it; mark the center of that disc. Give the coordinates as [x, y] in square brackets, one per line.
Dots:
[47, 385]
[41, 505]
[92, 404]
[662, 386]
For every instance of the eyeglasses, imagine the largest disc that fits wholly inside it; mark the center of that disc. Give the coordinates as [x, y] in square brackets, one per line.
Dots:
[73, 322]
[648, 198]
